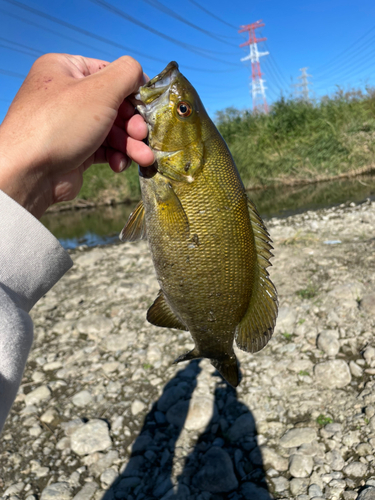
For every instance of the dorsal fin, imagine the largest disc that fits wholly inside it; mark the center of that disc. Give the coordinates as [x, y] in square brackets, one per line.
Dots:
[135, 228]
[256, 327]
[161, 314]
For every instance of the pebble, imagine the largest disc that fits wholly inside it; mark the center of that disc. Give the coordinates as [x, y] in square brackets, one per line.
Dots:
[137, 407]
[300, 465]
[82, 398]
[355, 469]
[328, 341]
[333, 374]
[103, 414]
[217, 474]
[367, 494]
[296, 437]
[38, 395]
[91, 437]
[57, 491]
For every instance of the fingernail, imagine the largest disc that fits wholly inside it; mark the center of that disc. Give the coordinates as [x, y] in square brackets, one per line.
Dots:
[124, 164]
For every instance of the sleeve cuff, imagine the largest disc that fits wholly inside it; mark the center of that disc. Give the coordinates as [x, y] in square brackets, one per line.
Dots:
[31, 258]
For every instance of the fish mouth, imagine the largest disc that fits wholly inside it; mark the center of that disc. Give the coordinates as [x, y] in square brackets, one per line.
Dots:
[155, 93]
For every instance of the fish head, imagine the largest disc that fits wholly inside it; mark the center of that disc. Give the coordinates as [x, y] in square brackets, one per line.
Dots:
[175, 116]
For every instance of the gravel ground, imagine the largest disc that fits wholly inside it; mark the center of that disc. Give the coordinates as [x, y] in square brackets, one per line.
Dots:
[103, 414]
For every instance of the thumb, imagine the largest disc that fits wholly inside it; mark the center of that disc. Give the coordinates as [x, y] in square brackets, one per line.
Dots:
[115, 82]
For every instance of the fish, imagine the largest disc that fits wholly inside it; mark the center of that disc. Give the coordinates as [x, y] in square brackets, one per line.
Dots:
[209, 245]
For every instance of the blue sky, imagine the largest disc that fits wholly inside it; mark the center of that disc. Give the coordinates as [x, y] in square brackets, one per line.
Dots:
[335, 39]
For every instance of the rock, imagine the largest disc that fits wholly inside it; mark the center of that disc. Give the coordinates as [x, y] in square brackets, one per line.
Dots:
[93, 436]
[57, 491]
[252, 491]
[273, 459]
[243, 426]
[280, 484]
[355, 469]
[328, 342]
[50, 417]
[177, 413]
[201, 411]
[335, 460]
[108, 477]
[89, 258]
[355, 369]
[315, 491]
[367, 303]
[300, 465]
[96, 327]
[87, 492]
[286, 319]
[178, 492]
[367, 494]
[296, 437]
[369, 354]
[333, 374]
[298, 486]
[217, 474]
[38, 395]
[14, 489]
[82, 398]
[170, 397]
[137, 407]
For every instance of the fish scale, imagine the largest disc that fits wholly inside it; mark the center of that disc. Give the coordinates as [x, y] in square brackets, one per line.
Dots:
[210, 248]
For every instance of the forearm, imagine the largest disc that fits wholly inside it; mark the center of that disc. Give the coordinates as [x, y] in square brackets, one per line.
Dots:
[31, 262]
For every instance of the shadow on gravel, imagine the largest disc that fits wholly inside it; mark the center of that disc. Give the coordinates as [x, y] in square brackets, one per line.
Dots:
[224, 463]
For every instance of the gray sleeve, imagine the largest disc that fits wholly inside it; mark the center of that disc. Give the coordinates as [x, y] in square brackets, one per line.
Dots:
[31, 262]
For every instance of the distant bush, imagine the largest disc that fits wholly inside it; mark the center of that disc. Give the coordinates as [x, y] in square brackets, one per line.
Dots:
[302, 140]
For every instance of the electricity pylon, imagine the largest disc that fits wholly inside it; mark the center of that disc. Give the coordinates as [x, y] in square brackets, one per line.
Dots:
[258, 90]
[303, 93]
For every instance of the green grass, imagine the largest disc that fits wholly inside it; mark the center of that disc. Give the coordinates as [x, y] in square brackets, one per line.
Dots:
[307, 293]
[322, 420]
[100, 182]
[287, 336]
[296, 141]
[299, 140]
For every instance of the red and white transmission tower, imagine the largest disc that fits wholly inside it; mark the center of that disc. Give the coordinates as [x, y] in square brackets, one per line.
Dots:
[257, 88]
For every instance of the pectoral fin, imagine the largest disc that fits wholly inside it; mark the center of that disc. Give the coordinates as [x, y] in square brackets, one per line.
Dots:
[171, 212]
[256, 327]
[135, 228]
[160, 314]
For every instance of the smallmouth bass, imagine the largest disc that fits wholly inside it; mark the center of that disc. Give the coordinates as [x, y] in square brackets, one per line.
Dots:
[209, 245]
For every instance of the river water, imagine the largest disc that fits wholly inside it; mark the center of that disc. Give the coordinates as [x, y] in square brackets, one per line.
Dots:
[100, 226]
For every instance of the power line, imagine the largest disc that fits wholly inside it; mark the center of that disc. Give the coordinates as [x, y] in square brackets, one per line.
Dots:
[99, 38]
[12, 73]
[21, 51]
[212, 15]
[163, 8]
[95, 36]
[344, 51]
[20, 45]
[184, 45]
[37, 25]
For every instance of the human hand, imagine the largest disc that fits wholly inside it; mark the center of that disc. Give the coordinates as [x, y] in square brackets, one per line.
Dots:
[69, 113]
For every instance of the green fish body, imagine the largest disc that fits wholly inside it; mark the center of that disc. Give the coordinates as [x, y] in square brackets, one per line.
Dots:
[209, 246]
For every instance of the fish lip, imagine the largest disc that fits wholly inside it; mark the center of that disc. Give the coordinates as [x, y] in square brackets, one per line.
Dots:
[148, 95]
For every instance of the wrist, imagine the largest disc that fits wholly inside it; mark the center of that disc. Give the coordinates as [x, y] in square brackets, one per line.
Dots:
[20, 177]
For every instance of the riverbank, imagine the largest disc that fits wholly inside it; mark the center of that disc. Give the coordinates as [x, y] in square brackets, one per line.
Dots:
[128, 192]
[104, 414]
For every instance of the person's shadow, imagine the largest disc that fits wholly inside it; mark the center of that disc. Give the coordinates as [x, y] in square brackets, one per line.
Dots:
[224, 462]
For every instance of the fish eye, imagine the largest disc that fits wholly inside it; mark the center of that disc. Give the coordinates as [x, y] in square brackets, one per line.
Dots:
[184, 109]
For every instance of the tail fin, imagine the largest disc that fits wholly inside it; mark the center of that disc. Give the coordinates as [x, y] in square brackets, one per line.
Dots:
[228, 368]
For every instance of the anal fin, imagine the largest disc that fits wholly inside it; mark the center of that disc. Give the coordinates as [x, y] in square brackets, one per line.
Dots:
[160, 314]
[135, 228]
[256, 327]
